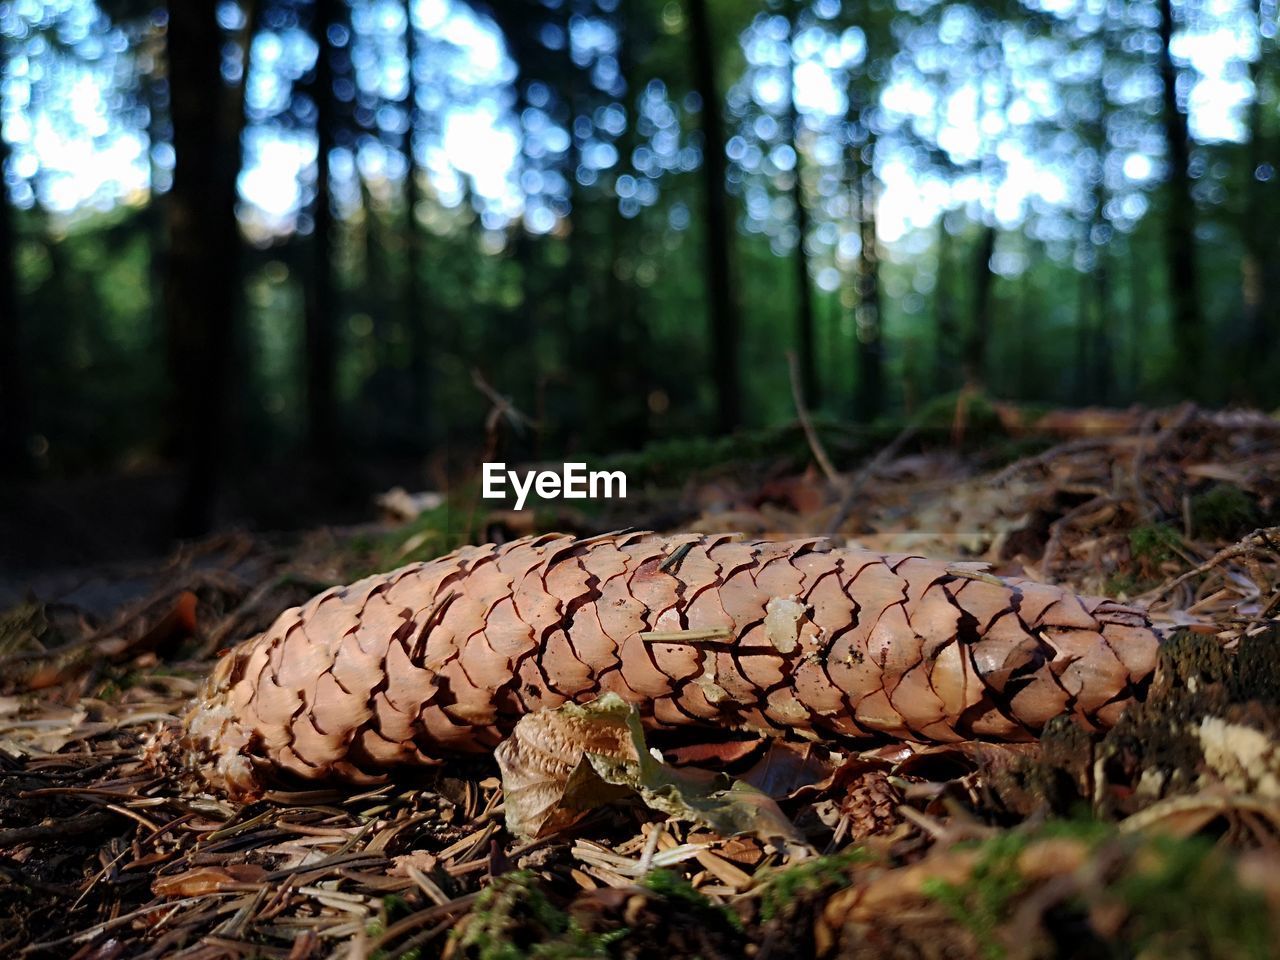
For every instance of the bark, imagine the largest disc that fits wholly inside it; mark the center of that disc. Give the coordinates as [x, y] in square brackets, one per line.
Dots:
[15, 425]
[202, 282]
[417, 323]
[868, 325]
[945, 324]
[1138, 306]
[1098, 371]
[1261, 262]
[1180, 218]
[696, 631]
[630, 338]
[804, 287]
[722, 304]
[978, 338]
[320, 301]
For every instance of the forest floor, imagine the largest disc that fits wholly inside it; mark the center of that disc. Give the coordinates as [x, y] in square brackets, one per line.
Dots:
[1160, 838]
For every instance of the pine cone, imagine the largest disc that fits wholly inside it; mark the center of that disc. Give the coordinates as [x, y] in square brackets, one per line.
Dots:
[871, 805]
[777, 637]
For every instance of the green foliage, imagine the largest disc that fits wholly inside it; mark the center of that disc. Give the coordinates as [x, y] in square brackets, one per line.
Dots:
[807, 878]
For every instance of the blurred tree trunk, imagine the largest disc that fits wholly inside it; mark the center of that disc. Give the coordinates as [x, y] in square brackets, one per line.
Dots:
[203, 282]
[726, 324]
[15, 427]
[1138, 307]
[868, 394]
[632, 336]
[1180, 219]
[978, 338]
[1260, 266]
[417, 323]
[320, 299]
[1095, 333]
[804, 288]
[947, 329]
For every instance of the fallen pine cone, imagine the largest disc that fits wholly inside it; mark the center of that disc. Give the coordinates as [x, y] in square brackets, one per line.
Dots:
[782, 638]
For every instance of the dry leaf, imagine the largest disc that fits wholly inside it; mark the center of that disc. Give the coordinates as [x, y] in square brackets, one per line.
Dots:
[561, 763]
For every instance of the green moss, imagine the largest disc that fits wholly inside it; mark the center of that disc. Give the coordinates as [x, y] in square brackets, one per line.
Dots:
[1189, 662]
[1257, 668]
[1185, 901]
[1181, 897]
[982, 903]
[514, 920]
[937, 417]
[431, 534]
[808, 877]
[1154, 543]
[1122, 585]
[1224, 512]
[672, 886]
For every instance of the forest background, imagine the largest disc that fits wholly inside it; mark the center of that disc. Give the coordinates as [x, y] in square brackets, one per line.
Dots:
[249, 250]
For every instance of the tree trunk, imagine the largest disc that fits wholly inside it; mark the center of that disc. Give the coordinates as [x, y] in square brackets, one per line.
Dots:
[947, 330]
[804, 288]
[722, 303]
[14, 424]
[202, 284]
[978, 338]
[417, 323]
[631, 333]
[1138, 307]
[1180, 219]
[1261, 262]
[320, 306]
[868, 394]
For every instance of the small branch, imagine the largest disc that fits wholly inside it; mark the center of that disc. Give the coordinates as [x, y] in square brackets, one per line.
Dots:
[859, 481]
[802, 414]
[1262, 539]
[51, 829]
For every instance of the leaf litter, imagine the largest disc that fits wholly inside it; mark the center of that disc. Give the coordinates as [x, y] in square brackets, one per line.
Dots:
[1159, 837]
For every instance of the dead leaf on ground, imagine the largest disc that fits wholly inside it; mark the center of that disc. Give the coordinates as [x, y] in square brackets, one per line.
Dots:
[559, 764]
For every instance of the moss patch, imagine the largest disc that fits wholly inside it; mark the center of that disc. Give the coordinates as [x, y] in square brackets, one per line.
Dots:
[1224, 512]
[808, 878]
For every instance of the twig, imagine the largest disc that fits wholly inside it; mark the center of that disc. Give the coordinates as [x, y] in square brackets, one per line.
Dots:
[1054, 543]
[802, 414]
[1261, 539]
[859, 481]
[502, 406]
[92, 933]
[51, 828]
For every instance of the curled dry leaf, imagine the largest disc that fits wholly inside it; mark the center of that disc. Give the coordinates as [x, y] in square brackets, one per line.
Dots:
[208, 879]
[559, 764]
[791, 639]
